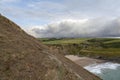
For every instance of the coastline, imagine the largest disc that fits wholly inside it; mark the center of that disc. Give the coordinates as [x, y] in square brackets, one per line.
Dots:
[84, 61]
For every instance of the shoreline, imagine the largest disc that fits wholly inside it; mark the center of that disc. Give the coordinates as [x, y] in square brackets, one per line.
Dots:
[85, 61]
[99, 67]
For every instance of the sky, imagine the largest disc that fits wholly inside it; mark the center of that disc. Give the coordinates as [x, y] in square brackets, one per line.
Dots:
[65, 18]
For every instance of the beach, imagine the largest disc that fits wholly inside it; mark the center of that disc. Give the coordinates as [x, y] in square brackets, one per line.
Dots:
[84, 61]
[104, 69]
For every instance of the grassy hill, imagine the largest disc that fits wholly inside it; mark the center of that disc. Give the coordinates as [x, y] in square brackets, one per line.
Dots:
[62, 41]
[104, 48]
[23, 57]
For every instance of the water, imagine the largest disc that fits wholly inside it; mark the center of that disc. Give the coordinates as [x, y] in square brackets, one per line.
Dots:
[106, 71]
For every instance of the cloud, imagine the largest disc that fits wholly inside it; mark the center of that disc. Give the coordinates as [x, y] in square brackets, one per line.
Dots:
[37, 12]
[8, 1]
[33, 10]
[94, 7]
[79, 28]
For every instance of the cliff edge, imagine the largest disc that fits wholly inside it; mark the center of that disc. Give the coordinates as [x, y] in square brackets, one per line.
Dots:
[22, 57]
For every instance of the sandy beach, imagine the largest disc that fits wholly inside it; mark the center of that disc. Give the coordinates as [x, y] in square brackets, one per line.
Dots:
[84, 61]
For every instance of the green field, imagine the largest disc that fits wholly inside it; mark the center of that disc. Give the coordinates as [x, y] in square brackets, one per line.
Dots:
[93, 47]
[62, 41]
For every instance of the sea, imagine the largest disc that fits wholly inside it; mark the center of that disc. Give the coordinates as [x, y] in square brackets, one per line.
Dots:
[106, 71]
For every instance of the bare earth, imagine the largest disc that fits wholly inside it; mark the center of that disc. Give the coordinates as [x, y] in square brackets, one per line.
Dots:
[23, 57]
[83, 61]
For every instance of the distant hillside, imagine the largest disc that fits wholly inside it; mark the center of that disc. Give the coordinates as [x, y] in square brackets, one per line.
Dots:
[102, 48]
[22, 57]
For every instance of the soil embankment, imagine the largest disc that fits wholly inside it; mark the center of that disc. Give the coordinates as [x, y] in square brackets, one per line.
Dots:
[22, 57]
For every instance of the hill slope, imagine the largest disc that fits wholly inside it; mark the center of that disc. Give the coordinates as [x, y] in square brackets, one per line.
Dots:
[22, 57]
[102, 48]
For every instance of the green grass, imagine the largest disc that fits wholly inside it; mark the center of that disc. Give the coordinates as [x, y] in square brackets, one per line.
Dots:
[105, 47]
[110, 52]
[112, 41]
[63, 41]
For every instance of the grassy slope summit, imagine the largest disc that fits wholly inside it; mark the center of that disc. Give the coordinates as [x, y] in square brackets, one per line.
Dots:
[22, 57]
[104, 48]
